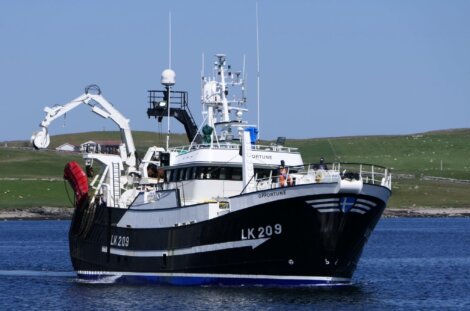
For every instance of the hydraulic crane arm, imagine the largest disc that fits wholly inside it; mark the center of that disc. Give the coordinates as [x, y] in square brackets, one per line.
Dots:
[100, 106]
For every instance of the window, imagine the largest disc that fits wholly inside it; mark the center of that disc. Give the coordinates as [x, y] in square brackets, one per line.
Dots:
[214, 172]
[193, 173]
[200, 172]
[262, 172]
[236, 173]
[223, 173]
[181, 173]
[210, 172]
[188, 173]
[174, 175]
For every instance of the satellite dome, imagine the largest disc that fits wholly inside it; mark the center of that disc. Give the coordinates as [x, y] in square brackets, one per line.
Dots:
[168, 77]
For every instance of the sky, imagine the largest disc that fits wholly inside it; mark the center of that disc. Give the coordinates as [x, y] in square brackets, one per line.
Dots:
[327, 68]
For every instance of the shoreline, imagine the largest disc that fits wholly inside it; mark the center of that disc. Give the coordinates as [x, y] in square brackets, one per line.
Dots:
[36, 213]
[427, 212]
[66, 213]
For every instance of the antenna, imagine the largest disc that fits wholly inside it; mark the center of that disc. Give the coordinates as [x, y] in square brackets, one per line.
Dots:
[244, 82]
[202, 65]
[168, 79]
[202, 74]
[244, 63]
[257, 62]
[169, 39]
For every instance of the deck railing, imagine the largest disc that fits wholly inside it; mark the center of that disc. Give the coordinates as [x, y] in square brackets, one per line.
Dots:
[231, 146]
[328, 173]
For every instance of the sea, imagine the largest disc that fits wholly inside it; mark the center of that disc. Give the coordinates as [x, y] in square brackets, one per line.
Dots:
[408, 264]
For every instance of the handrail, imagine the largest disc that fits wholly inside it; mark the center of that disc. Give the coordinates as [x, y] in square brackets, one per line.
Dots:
[334, 172]
[244, 188]
[352, 163]
[232, 146]
[100, 184]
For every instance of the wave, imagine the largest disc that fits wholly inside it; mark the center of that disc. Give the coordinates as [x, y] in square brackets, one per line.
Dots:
[102, 280]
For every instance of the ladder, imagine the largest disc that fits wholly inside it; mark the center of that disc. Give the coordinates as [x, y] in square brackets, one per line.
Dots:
[116, 184]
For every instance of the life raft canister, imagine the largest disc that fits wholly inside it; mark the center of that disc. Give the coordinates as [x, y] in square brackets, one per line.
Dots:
[78, 180]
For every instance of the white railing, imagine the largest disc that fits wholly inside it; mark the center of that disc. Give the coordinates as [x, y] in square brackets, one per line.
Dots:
[329, 173]
[231, 146]
[370, 174]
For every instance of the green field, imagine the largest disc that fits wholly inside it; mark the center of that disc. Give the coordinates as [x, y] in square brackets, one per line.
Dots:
[32, 193]
[30, 178]
[411, 158]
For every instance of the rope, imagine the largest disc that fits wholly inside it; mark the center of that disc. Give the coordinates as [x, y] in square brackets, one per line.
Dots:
[68, 194]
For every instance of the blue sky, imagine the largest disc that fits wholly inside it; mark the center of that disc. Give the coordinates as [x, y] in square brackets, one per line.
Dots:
[328, 68]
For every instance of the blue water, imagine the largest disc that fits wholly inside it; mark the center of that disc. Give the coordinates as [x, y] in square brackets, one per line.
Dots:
[408, 264]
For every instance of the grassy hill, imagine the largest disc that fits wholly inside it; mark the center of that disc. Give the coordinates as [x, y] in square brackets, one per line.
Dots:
[410, 154]
[416, 162]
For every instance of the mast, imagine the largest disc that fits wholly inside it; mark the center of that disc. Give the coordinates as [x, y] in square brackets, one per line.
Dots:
[169, 80]
[220, 109]
[257, 64]
[223, 87]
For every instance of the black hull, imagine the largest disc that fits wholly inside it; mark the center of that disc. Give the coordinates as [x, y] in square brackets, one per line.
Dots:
[305, 240]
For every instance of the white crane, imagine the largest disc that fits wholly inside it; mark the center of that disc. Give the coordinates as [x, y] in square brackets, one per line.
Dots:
[100, 106]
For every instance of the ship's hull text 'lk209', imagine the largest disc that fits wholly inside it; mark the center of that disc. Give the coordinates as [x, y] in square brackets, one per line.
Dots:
[261, 232]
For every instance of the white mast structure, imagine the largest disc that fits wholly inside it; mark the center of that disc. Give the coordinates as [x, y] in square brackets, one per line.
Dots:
[218, 106]
[168, 80]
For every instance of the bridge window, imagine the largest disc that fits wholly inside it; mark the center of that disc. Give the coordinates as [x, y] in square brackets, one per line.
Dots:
[209, 172]
[223, 173]
[200, 172]
[236, 173]
[189, 173]
[181, 174]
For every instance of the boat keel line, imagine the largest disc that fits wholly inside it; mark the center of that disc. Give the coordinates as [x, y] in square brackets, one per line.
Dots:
[325, 279]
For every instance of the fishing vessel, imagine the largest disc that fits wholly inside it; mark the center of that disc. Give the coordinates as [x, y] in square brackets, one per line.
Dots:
[222, 210]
